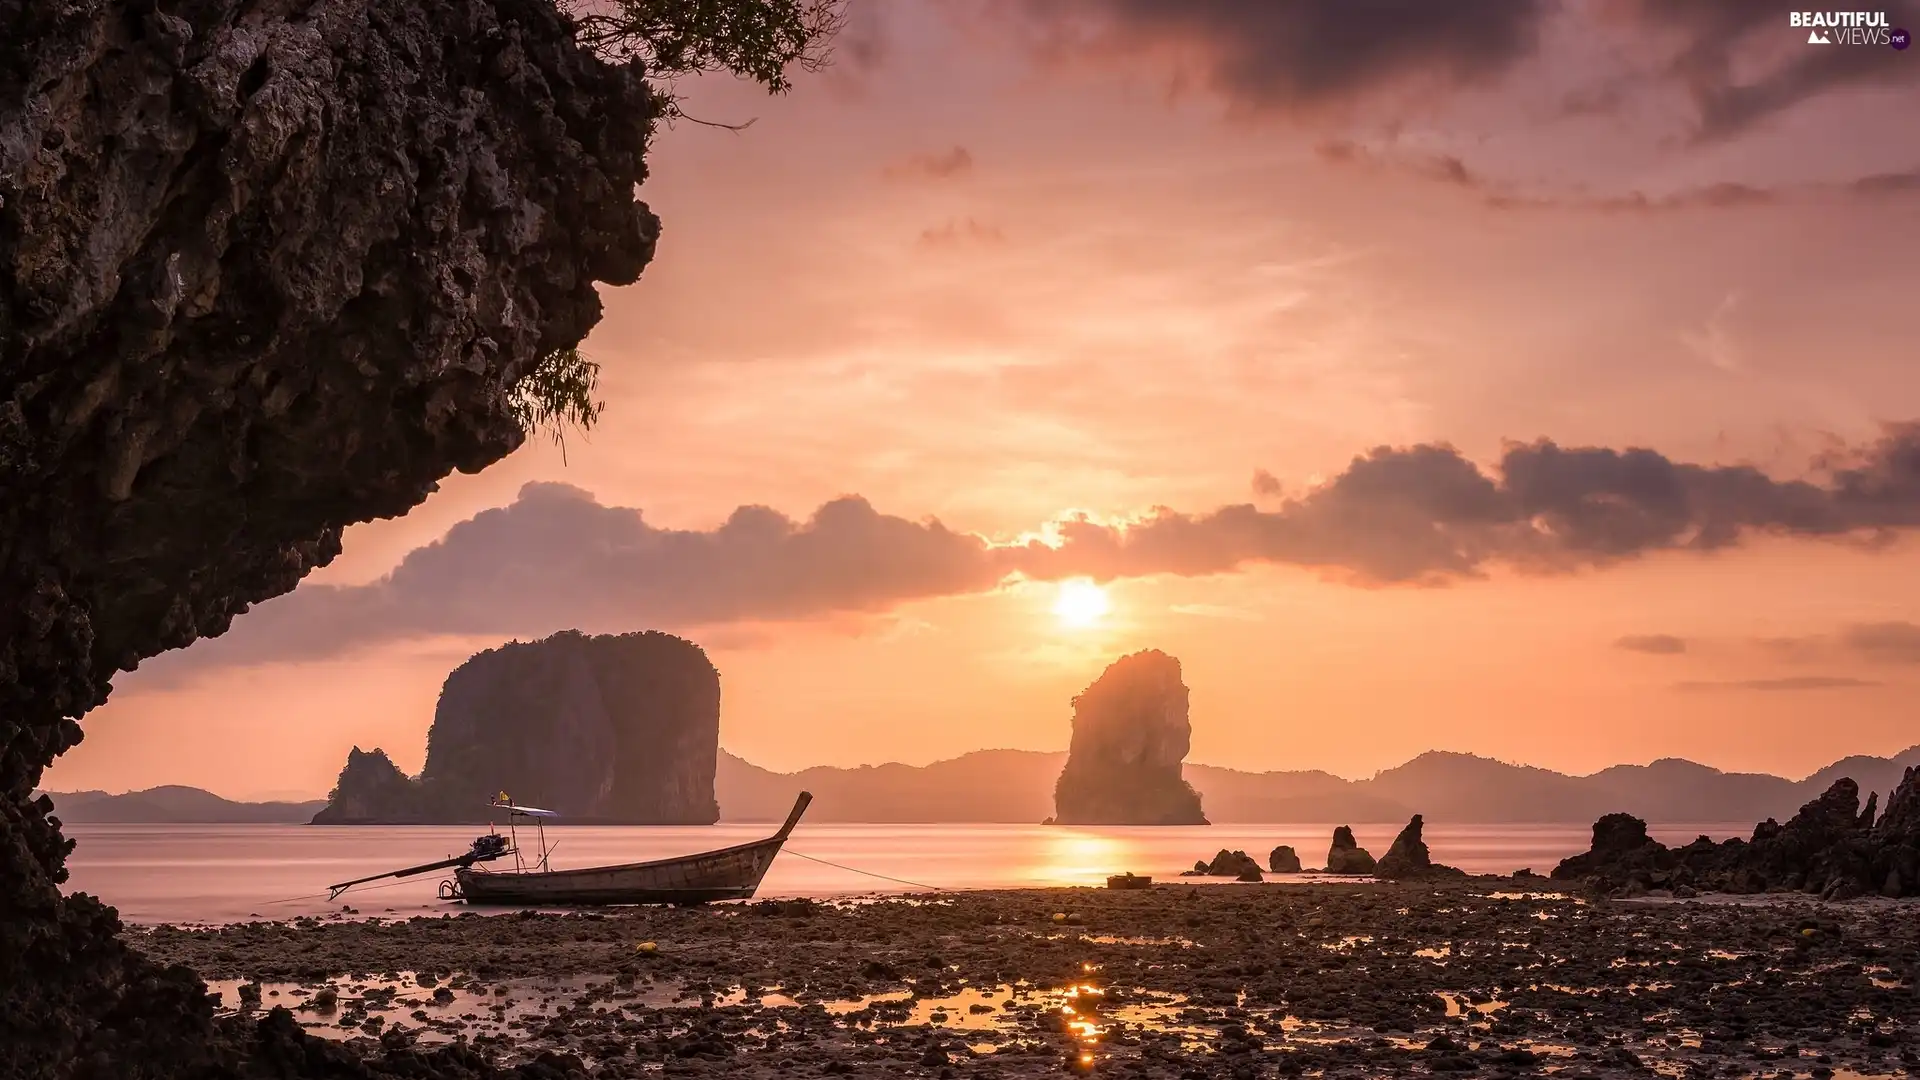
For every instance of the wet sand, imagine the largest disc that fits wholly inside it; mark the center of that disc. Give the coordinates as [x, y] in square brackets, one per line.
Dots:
[1484, 976]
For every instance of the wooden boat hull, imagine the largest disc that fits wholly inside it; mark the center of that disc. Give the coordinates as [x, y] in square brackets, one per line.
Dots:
[732, 873]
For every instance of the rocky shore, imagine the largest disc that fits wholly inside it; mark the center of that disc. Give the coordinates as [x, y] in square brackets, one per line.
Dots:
[1481, 976]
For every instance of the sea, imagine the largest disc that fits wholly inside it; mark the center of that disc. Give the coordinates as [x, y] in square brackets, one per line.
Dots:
[217, 874]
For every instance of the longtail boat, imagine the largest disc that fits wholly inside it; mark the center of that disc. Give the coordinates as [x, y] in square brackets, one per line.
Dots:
[729, 873]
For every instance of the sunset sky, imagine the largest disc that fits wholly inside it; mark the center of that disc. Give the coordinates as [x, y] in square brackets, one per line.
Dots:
[1257, 315]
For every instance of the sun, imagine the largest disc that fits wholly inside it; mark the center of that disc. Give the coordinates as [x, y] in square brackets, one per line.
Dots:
[1081, 603]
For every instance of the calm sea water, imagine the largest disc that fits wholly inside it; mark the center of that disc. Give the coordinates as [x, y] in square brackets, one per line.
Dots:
[227, 873]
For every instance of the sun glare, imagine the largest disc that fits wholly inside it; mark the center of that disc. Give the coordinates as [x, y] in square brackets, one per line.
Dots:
[1081, 603]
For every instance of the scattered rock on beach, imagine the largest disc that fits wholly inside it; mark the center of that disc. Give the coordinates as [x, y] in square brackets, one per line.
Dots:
[1831, 848]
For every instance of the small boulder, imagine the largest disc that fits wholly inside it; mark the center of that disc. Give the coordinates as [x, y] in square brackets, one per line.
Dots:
[1346, 856]
[1283, 860]
[1231, 864]
[1249, 873]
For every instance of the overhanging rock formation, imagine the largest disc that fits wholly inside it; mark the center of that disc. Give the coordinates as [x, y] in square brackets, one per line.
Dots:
[266, 269]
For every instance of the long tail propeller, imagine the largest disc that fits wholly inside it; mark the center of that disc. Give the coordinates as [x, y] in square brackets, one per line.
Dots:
[485, 849]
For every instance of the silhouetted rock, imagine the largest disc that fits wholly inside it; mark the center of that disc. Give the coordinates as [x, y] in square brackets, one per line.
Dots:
[1283, 860]
[1230, 864]
[610, 728]
[1249, 873]
[1346, 856]
[1408, 856]
[1827, 849]
[266, 270]
[1130, 737]
[372, 788]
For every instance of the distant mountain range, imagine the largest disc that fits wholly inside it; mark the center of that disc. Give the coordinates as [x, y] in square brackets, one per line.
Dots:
[177, 805]
[1016, 786]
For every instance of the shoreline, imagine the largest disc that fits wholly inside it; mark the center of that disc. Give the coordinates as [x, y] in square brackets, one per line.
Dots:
[1504, 976]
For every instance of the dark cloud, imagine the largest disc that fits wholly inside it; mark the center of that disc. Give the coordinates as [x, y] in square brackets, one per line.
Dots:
[1795, 682]
[942, 166]
[1282, 53]
[961, 232]
[1731, 96]
[1894, 183]
[1266, 485]
[1657, 644]
[1424, 515]
[1895, 642]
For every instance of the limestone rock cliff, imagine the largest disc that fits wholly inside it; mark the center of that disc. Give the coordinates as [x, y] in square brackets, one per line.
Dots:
[1131, 733]
[371, 788]
[615, 729]
[267, 269]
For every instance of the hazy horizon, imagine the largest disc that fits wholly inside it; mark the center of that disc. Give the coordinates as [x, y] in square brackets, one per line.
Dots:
[1026, 337]
[295, 796]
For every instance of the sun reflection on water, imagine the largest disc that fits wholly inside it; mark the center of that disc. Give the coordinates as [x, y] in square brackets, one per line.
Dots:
[1081, 1011]
[1075, 858]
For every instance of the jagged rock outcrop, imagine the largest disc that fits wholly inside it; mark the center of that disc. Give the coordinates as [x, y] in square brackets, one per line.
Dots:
[1283, 860]
[614, 729]
[1408, 857]
[1832, 848]
[1346, 856]
[267, 269]
[1131, 733]
[372, 788]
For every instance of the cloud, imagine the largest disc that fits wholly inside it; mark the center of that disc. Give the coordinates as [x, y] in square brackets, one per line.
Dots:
[1301, 53]
[1266, 485]
[1732, 91]
[1217, 611]
[1794, 682]
[1423, 515]
[960, 233]
[944, 166]
[1452, 171]
[1656, 644]
[1893, 642]
[1893, 183]
[1714, 341]
[556, 558]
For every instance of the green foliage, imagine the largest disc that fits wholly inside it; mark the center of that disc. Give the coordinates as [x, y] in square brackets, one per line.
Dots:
[558, 394]
[755, 39]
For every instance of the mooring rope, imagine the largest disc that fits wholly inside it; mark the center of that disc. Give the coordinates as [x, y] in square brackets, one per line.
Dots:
[343, 892]
[786, 851]
[857, 870]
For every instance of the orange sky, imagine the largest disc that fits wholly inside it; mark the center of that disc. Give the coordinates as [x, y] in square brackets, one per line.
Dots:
[997, 266]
